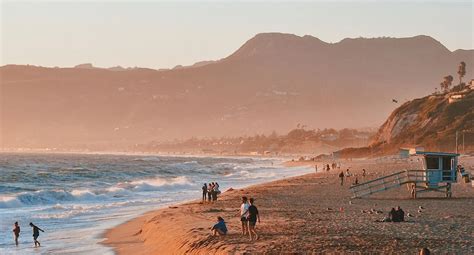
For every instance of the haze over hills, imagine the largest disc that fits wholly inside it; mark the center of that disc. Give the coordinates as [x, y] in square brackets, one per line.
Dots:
[273, 82]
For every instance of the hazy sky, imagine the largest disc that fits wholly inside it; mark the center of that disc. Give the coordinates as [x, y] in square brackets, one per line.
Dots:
[159, 34]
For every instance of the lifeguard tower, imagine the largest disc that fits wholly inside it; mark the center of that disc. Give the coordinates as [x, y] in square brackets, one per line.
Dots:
[439, 171]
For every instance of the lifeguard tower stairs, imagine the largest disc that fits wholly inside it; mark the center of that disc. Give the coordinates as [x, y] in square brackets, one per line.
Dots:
[438, 174]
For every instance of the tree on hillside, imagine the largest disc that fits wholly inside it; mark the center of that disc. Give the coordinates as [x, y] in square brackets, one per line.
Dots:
[461, 71]
[446, 83]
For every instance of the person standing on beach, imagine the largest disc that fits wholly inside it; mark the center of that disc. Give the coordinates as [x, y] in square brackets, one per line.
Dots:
[214, 192]
[36, 234]
[204, 192]
[16, 232]
[252, 218]
[209, 192]
[341, 176]
[244, 213]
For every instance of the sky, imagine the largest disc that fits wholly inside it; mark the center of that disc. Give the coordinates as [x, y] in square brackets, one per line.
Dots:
[163, 34]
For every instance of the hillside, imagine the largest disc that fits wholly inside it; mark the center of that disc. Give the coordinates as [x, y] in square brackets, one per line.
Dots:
[273, 82]
[430, 122]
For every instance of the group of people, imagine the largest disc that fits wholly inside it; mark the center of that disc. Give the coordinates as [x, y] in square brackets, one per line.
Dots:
[327, 167]
[36, 231]
[210, 191]
[248, 217]
[395, 215]
[348, 174]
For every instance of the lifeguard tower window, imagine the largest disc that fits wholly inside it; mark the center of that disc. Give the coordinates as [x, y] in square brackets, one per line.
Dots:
[432, 163]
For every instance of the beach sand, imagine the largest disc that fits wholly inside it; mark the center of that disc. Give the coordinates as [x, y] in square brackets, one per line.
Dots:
[309, 214]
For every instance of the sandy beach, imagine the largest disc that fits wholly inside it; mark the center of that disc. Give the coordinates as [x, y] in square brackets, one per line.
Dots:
[310, 214]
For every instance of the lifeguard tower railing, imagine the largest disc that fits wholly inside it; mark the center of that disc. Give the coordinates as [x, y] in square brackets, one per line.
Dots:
[389, 182]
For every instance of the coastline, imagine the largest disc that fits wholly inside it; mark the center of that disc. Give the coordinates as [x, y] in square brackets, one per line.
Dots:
[307, 213]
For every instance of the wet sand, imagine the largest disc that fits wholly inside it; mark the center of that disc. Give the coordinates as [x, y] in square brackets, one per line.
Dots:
[310, 214]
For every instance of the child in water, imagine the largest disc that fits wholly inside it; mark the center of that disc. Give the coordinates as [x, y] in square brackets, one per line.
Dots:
[16, 232]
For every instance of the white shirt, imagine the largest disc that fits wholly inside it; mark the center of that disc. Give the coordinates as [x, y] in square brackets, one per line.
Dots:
[244, 210]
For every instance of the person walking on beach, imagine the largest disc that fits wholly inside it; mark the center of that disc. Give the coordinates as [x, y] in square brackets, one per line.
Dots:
[219, 228]
[244, 213]
[341, 176]
[16, 232]
[204, 192]
[252, 219]
[36, 234]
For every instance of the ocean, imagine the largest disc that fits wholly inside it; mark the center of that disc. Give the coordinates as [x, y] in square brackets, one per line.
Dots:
[74, 198]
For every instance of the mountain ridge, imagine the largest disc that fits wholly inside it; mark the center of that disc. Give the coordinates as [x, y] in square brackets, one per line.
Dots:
[267, 84]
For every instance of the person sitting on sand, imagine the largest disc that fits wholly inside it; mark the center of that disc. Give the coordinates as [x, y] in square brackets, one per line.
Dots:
[219, 228]
[16, 232]
[252, 219]
[341, 176]
[399, 215]
[392, 215]
[244, 213]
[204, 192]
[36, 230]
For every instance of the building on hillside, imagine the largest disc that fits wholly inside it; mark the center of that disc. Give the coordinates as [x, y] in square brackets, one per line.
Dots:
[406, 152]
[455, 97]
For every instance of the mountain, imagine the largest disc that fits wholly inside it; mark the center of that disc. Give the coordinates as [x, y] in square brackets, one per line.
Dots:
[272, 82]
[430, 122]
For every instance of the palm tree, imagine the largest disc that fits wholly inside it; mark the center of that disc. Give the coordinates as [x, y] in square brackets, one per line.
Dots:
[461, 71]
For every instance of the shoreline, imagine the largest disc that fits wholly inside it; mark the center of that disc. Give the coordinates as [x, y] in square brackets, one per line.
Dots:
[306, 213]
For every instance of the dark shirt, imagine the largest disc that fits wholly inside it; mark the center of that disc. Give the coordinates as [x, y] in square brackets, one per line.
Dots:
[253, 212]
[398, 215]
[204, 189]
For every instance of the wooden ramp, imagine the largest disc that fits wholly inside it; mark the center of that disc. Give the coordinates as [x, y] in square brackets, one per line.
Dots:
[387, 182]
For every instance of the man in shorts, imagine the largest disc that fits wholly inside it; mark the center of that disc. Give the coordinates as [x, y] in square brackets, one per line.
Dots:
[252, 219]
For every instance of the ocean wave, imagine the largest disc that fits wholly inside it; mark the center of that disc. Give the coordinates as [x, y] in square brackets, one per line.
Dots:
[52, 197]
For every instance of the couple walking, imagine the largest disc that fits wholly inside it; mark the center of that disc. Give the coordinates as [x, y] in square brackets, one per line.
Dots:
[249, 216]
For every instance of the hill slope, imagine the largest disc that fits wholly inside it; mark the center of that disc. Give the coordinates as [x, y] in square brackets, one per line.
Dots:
[273, 82]
[430, 122]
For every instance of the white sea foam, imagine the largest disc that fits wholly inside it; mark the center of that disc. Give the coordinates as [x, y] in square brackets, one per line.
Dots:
[47, 197]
